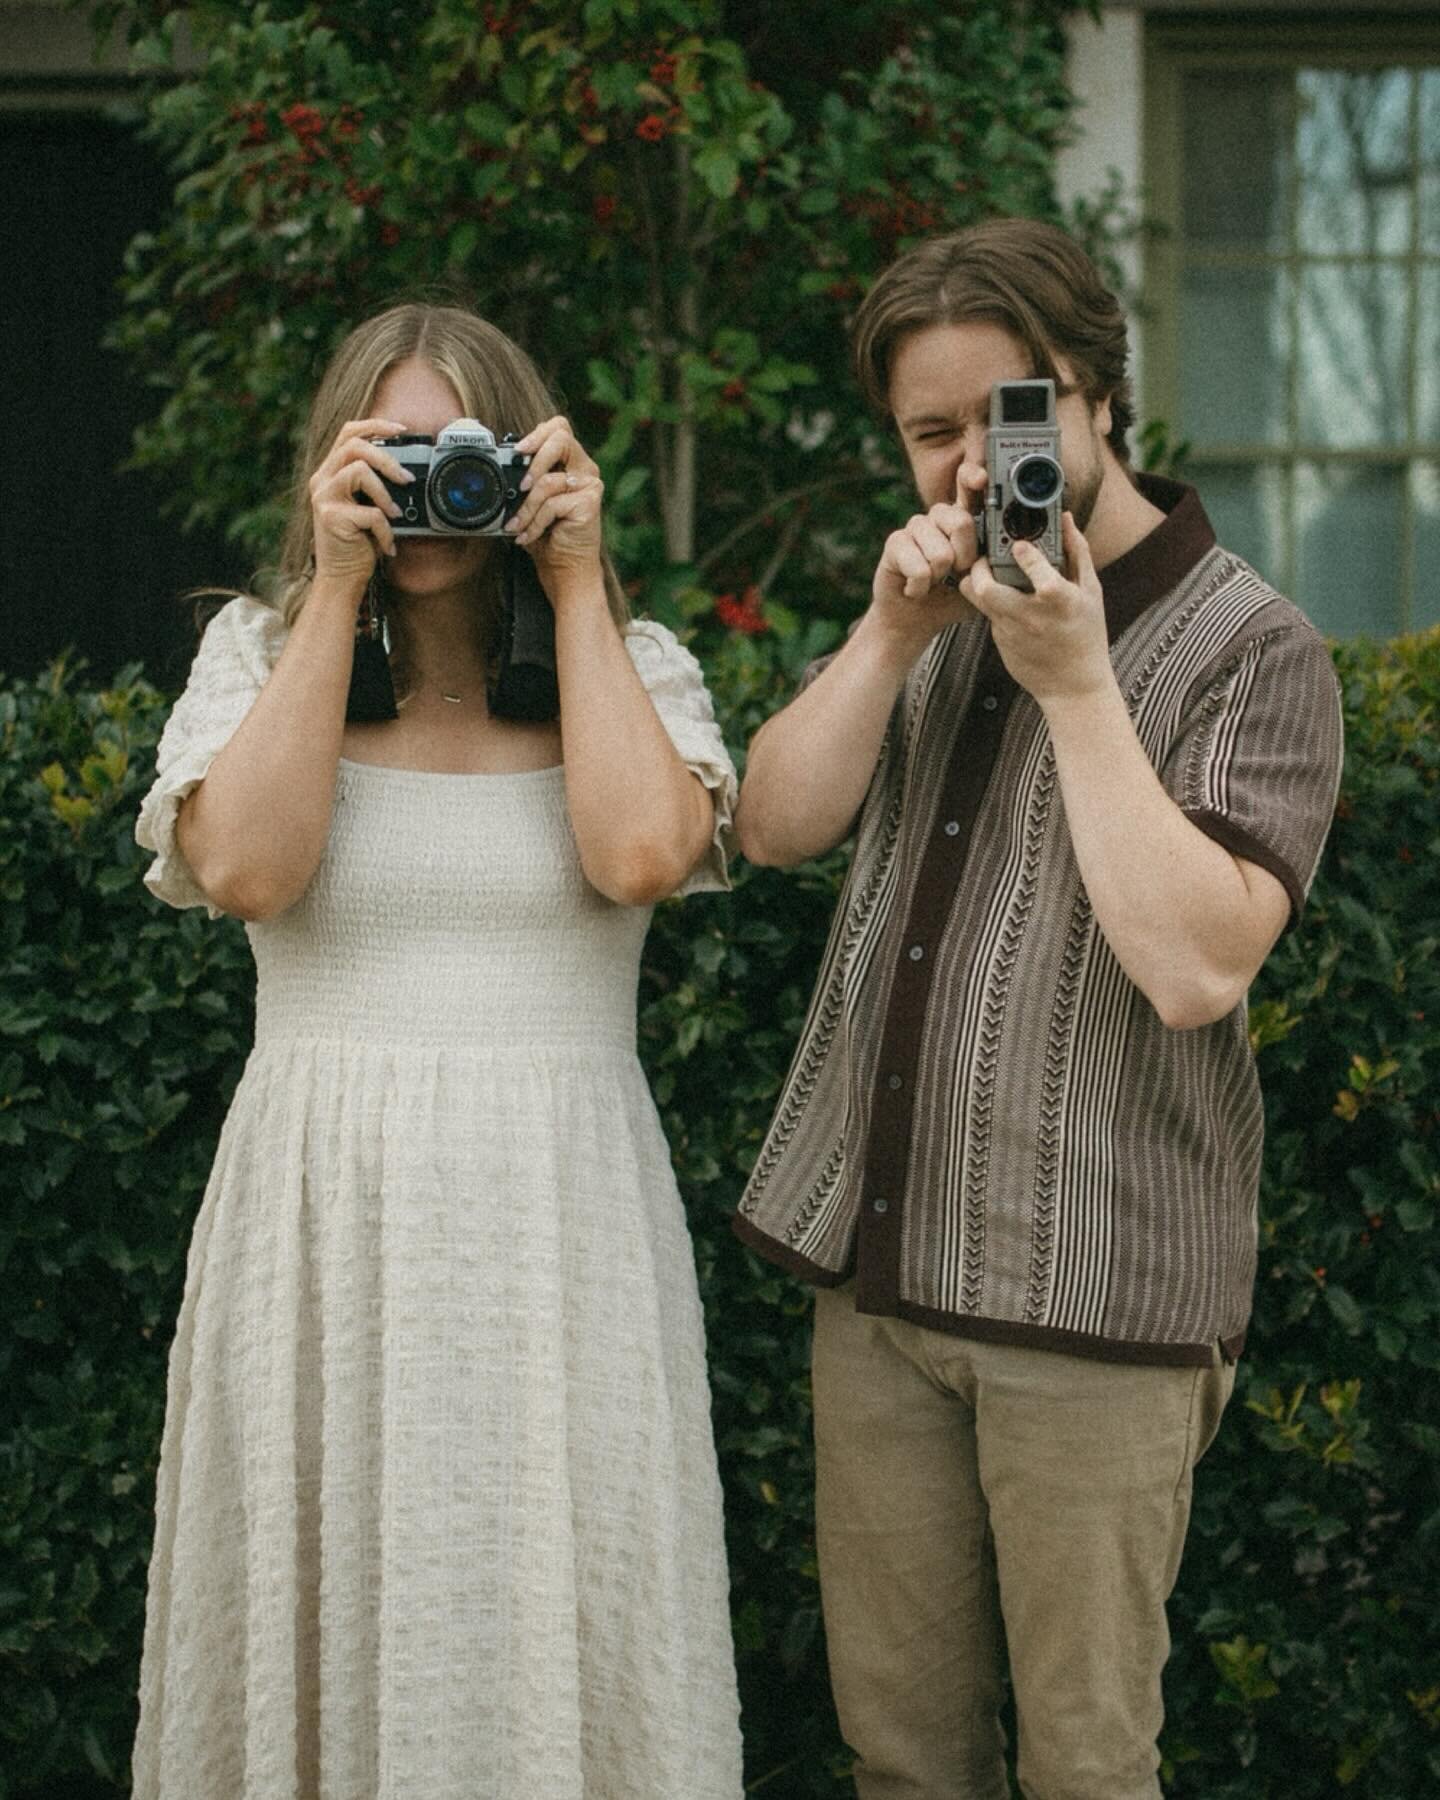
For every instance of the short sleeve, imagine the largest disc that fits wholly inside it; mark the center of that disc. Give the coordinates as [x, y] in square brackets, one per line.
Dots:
[1258, 765]
[236, 654]
[677, 691]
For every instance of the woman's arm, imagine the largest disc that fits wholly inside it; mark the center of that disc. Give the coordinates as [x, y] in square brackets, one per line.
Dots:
[254, 830]
[642, 819]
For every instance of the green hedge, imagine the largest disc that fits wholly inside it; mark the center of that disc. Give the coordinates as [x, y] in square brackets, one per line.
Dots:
[1307, 1641]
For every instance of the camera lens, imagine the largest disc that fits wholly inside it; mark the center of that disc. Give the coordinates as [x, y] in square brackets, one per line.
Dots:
[466, 491]
[1037, 480]
[1024, 521]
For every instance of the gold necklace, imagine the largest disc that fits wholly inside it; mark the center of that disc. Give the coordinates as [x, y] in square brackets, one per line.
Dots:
[446, 694]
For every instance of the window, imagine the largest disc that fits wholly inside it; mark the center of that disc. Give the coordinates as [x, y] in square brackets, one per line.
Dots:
[1295, 304]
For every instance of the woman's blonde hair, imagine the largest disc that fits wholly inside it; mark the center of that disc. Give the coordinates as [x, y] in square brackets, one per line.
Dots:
[497, 384]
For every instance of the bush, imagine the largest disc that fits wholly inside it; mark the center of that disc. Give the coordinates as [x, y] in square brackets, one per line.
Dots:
[1308, 1635]
[122, 1033]
[1308, 1648]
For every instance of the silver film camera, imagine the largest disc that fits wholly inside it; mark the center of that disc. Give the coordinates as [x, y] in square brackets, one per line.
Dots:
[468, 485]
[465, 483]
[1026, 491]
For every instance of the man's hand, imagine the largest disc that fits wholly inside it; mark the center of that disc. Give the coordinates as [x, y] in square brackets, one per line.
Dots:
[1053, 641]
[916, 590]
[811, 766]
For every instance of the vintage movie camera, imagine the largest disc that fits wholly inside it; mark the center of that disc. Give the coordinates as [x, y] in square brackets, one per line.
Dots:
[1025, 495]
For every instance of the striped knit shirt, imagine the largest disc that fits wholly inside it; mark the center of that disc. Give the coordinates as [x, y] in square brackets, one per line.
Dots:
[986, 1121]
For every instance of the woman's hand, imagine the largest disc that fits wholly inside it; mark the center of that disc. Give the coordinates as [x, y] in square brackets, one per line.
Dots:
[559, 521]
[351, 508]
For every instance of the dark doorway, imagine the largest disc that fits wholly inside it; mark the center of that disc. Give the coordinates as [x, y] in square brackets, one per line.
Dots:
[87, 562]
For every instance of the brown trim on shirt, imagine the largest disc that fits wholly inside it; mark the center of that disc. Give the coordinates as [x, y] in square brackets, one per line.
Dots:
[996, 1331]
[1163, 557]
[877, 1278]
[785, 1258]
[1063, 1343]
[1240, 842]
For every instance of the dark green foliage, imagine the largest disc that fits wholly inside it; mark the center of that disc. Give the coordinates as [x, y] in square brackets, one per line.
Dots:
[1307, 1623]
[122, 1032]
[726, 983]
[675, 204]
[1307, 1645]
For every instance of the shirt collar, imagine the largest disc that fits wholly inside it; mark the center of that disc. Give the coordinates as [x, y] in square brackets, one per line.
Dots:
[1163, 557]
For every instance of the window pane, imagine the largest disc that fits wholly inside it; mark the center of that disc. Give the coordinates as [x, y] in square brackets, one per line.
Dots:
[1350, 367]
[1234, 155]
[1347, 536]
[1246, 504]
[1352, 142]
[1234, 339]
[1427, 359]
[1425, 498]
[1430, 161]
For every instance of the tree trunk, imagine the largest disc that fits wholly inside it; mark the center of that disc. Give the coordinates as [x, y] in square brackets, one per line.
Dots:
[684, 472]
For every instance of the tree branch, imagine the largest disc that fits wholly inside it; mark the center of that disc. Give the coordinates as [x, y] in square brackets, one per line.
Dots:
[680, 531]
[782, 550]
[773, 505]
[655, 287]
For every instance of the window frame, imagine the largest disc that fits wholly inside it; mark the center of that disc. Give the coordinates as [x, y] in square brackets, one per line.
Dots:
[1175, 47]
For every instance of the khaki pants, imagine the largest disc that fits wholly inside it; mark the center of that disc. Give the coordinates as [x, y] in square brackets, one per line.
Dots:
[978, 1499]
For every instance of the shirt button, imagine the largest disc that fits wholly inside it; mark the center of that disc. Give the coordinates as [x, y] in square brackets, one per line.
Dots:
[894, 1082]
[916, 952]
[882, 1205]
[952, 828]
[989, 703]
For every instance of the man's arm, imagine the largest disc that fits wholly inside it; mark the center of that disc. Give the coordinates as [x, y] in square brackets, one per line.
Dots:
[810, 767]
[1189, 923]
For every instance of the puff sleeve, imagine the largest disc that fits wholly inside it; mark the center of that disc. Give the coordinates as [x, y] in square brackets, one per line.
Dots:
[239, 649]
[677, 691]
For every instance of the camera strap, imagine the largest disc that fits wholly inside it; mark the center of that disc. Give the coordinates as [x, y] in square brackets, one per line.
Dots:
[523, 682]
[372, 689]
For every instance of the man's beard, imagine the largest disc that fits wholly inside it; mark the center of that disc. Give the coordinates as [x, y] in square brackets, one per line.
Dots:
[1080, 498]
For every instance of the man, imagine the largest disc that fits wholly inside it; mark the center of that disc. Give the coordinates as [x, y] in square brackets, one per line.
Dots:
[1018, 1149]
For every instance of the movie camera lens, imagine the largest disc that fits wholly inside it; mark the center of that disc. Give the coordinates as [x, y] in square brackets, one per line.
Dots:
[1024, 522]
[466, 490]
[1037, 480]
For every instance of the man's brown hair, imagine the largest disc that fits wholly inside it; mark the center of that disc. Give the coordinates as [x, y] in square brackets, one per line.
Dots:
[1028, 277]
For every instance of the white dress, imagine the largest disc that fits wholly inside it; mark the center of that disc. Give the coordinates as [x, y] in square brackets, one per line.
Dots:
[438, 1515]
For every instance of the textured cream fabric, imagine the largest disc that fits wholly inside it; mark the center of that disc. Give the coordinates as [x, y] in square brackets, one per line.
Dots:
[438, 1512]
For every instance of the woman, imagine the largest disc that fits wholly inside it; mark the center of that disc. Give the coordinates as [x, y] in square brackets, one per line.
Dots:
[438, 1512]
